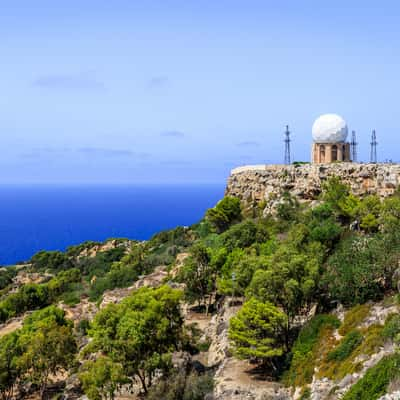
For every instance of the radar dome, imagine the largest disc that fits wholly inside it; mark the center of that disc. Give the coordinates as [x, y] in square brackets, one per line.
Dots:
[329, 128]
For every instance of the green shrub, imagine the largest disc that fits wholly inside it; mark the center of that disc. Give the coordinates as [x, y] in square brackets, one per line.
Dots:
[307, 347]
[346, 346]
[354, 317]
[392, 326]
[50, 260]
[227, 211]
[180, 386]
[374, 383]
[6, 275]
[358, 270]
[240, 235]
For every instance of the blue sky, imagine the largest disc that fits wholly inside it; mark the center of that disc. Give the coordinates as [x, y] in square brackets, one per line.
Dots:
[182, 91]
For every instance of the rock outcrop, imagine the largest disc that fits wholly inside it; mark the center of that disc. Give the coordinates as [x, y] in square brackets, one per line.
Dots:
[255, 183]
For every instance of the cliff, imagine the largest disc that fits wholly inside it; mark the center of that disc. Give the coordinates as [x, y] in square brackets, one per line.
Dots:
[304, 181]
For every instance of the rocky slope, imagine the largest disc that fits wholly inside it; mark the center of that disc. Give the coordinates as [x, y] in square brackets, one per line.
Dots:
[304, 181]
[234, 379]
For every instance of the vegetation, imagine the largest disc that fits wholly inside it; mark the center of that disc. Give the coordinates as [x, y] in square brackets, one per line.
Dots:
[140, 333]
[101, 378]
[257, 332]
[182, 386]
[224, 213]
[374, 383]
[346, 346]
[281, 269]
[43, 347]
[307, 347]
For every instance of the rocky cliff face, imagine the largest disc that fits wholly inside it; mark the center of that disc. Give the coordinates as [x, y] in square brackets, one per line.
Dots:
[268, 182]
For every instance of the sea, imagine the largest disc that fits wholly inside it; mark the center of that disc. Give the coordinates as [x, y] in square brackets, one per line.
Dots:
[41, 217]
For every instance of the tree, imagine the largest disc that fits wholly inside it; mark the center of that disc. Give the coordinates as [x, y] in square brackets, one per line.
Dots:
[288, 208]
[335, 193]
[51, 260]
[140, 332]
[390, 214]
[48, 346]
[238, 271]
[256, 332]
[361, 268]
[199, 275]
[368, 213]
[240, 235]
[289, 281]
[9, 371]
[322, 226]
[226, 212]
[101, 378]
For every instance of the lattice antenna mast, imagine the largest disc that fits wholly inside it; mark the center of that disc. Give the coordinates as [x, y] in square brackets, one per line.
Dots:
[287, 145]
[374, 143]
[353, 146]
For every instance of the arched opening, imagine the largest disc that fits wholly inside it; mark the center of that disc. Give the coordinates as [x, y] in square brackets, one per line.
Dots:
[322, 153]
[334, 153]
[344, 155]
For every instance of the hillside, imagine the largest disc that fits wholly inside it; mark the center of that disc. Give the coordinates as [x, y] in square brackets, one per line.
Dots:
[267, 297]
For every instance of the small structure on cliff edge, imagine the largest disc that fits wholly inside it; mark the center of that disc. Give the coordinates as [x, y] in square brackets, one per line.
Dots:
[329, 134]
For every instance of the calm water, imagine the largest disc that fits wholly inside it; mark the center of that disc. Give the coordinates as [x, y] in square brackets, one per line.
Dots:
[34, 218]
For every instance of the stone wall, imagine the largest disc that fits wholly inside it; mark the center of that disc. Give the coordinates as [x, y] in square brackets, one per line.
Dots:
[266, 182]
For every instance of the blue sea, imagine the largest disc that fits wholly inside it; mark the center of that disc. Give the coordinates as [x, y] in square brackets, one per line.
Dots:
[35, 217]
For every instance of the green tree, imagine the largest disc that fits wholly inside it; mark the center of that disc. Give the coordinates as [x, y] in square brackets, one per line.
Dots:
[48, 346]
[361, 268]
[289, 281]
[199, 273]
[226, 212]
[9, 371]
[256, 332]
[390, 214]
[288, 208]
[368, 213]
[140, 332]
[238, 271]
[335, 193]
[51, 260]
[241, 235]
[101, 378]
[322, 226]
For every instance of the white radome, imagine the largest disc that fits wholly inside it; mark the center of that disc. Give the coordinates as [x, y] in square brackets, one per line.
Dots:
[329, 128]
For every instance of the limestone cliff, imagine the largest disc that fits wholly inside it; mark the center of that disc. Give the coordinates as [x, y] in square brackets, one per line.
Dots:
[266, 182]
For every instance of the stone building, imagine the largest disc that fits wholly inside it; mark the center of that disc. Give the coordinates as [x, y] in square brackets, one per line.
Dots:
[329, 140]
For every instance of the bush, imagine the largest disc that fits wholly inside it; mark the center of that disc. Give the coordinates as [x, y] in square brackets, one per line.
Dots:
[392, 326]
[359, 270]
[100, 264]
[346, 346]
[240, 235]
[288, 209]
[306, 348]
[180, 386]
[51, 261]
[374, 383]
[354, 317]
[6, 275]
[177, 236]
[226, 212]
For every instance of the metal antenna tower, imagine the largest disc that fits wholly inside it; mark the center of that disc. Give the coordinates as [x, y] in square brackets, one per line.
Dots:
[353, 146]
[287, 145]
[373, 158]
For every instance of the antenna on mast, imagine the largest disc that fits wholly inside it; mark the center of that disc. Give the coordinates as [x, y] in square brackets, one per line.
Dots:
[353, 146]
[373, 157]
[287, 145]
